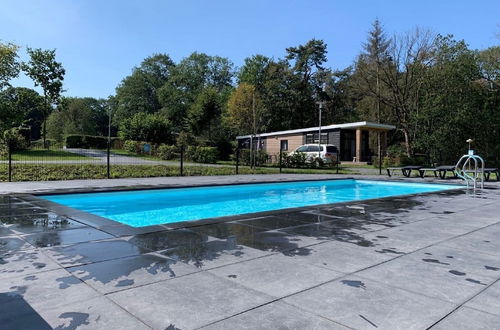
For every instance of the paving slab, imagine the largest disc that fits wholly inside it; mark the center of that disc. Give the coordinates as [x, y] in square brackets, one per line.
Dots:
[276, 315]
[342, 257]
[278, 241]
[366, 304]
[124, 273]
[52, 288]
[468, 319]
[188, 302]
[45, 222]
[25, 262]
[469, 262]
[10, 244]
[276, 275]
[66, 237]
[214, 253]
[453, 285]
[488, 300]
[476, 242]
[167, 239]
[97, 313]
[89, 252]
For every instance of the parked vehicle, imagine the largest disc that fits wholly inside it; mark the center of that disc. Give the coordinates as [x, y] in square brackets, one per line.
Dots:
[327, 152]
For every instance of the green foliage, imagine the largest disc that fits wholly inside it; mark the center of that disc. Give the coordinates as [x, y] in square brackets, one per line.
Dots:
[167, 152]
[296, 159]
[139, 91]
[86, 142]
[20, 106]
[9, 65]
[202, 154]
[132, 146]
[300, 160]
[261, 157]
[47, 73]
[188, 80]
[14, 139]
[153, 128]
[86, 116]
[186, 139]
[203, 114]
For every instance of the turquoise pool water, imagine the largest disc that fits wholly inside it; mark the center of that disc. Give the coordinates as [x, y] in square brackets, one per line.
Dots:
[159, 206]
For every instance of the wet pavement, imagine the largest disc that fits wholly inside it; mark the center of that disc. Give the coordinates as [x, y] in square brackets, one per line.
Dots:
[414, 262]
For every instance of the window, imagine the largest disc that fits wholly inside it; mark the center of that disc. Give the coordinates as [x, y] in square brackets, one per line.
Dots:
[302, 149]
[284, 145]
[331, 149]
[313, 138]
[313, 148]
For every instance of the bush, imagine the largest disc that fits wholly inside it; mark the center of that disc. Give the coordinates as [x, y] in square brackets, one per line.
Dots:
[297, 160]
[87, 141]
[147, 127]
[14, 139]
[202, 154]
[261, 157]
[131, 146]
[167, 152]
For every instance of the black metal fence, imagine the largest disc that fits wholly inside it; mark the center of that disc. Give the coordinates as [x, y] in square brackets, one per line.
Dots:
[55, 162]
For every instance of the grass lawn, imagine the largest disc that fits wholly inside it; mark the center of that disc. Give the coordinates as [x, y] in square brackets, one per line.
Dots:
[46, 155]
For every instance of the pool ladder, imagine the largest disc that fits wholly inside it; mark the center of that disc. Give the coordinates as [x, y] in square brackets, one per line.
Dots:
[473, 164]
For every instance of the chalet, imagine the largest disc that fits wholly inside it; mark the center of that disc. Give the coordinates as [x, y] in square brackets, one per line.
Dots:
[351, 139]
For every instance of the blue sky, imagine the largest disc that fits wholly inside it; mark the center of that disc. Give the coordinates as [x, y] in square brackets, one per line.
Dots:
[99, 42]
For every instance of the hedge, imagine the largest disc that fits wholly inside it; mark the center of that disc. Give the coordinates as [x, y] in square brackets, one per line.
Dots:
[167, 152]
[202, 154]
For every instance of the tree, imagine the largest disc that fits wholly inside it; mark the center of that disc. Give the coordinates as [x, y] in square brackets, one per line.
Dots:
[152, 128]
[457, 103]
[189, 78]
[20, 106]
[9, 65]
[254, 71]
[368, 70]
[245, 111]
[47, 73]
[74, 115]
[139, 91]
[203, 113]
[307, 60]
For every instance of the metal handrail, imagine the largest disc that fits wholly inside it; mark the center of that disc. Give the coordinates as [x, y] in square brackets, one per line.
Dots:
[463, 173]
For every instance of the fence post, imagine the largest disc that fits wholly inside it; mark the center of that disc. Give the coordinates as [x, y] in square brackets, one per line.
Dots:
[237, 159]
[338, 161]
[9, 151]
[182, 160]
[108, 165]
[281, 160]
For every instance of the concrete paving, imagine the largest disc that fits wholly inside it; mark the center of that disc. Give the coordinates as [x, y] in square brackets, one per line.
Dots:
[408, 262]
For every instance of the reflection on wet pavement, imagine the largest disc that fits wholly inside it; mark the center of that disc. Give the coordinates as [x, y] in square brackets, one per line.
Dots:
[89, 252]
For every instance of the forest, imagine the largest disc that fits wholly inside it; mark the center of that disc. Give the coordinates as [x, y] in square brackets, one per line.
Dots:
[435, 89]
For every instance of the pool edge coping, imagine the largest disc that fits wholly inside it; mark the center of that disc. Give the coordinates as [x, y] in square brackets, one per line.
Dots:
[119, 229]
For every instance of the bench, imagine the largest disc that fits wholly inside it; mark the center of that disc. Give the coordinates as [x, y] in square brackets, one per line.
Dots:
[406, 170]
[487, 172]
[442, 170]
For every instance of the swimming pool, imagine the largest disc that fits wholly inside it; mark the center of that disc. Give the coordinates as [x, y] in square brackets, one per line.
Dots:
[141, 208]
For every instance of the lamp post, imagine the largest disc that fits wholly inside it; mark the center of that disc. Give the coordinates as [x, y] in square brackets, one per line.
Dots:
[109, 144]
[319, 120]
